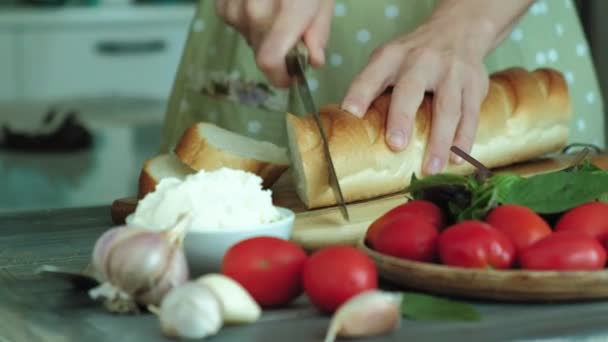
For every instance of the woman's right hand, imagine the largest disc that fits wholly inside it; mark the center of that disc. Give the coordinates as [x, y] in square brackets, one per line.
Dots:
[273, 27]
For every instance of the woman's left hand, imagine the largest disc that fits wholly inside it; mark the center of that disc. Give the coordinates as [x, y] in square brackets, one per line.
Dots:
[444, 56]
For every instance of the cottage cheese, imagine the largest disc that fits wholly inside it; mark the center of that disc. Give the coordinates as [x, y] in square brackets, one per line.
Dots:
[216, 200]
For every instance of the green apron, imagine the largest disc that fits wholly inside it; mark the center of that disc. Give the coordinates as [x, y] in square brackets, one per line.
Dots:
[218, 81]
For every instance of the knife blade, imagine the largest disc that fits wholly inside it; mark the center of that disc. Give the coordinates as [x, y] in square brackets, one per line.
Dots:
[297, 61]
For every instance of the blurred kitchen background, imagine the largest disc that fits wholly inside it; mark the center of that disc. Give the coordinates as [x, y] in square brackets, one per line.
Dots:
[112, 62]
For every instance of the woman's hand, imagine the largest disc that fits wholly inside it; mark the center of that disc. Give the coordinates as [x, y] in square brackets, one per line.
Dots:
[439, 57]
[273, 27]
[444, 56]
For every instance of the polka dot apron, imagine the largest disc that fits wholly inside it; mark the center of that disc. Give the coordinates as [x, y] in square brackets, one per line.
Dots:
[218, 81]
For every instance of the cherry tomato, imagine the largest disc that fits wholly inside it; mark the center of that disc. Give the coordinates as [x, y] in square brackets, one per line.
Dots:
[564, 251]
[521, 224]
[424, 209]
[475, 244]
[335, 274]
[589, 218]
[269, 268]
[408, 237]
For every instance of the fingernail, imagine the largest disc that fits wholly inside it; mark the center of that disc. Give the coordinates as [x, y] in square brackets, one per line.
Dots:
[434, 165]
[458, 159]
[396, 139]
[353, 109]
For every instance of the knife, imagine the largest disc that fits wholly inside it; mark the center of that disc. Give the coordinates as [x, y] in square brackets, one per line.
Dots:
[297, 61]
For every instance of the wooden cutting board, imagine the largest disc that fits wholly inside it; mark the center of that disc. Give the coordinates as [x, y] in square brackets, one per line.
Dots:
[318, 228]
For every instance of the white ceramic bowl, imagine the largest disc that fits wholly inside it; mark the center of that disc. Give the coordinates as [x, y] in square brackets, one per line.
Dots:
[205, 249]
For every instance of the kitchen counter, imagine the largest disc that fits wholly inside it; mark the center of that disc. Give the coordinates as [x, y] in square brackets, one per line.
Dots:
[125, 131]
[42, 310]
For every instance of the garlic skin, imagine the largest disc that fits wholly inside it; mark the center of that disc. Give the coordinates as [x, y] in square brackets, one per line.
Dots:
[141, 265]
[105, 243]
[238, 307]
[190, 311]
[369, 313]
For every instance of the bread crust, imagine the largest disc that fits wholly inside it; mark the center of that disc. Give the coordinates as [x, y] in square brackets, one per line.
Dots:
[147, 183]
[149, 178]
[524, 115]
[195, 151]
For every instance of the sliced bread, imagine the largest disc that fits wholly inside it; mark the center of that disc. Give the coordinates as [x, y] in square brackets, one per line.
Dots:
[159, 167]
[205, 146]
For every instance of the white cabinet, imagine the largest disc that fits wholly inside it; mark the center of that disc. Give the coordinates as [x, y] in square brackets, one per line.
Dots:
[91, 52]
[8, 66]
[129, 61]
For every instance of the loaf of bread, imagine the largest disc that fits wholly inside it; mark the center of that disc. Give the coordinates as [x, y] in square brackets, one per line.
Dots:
[205, 146]
[159, 167]
[524, 115]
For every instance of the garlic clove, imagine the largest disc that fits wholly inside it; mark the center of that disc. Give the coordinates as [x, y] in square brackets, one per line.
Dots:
[367, 314]
[175, 274]
[190, 311]
[237, 304]
[138, 261]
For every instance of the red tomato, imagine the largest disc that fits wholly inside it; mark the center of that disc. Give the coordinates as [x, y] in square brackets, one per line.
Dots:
[564, 251]
[424, 209]
[269, 268]
[408, 237]
[521, 224]
[335, 274]
[589, 218]
[475, 244]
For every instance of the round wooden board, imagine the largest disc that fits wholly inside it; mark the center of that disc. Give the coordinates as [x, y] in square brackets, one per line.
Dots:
[502, 285]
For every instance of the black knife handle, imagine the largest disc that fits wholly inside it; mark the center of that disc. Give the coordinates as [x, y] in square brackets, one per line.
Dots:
[299, 53]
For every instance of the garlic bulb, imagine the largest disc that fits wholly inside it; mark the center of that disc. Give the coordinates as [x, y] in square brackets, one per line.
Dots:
[367, 314]
[190, 311]
[105, 243]
[238, 307]
[137, 266]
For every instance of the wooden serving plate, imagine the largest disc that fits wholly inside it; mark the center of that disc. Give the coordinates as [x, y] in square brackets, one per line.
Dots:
[503, 285]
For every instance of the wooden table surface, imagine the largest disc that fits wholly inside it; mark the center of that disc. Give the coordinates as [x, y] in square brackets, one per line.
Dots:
[35, 309]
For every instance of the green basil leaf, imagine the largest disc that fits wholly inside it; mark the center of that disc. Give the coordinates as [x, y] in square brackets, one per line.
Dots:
[587, 165]
[442, 179]
[484, 200]
[504, 182]
[419, 306]
[557, 191]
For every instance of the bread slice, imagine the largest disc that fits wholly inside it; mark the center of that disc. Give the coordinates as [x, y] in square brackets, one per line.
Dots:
[205, 146]
[159, 167]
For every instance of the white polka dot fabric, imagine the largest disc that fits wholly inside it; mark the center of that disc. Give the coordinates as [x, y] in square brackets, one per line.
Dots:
[548, 36]
[335, 59]
[363, 36]
[340, 9]
[198, 25]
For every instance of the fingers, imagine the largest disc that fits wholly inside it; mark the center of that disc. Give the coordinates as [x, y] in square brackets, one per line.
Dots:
[317, 35]
[293, 19]
[372, 80]
[472, 97]
[446, 116]
[407, 96]
[231, 11]
[273, 27]
[259, 18]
